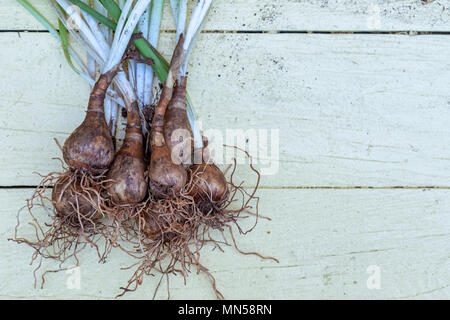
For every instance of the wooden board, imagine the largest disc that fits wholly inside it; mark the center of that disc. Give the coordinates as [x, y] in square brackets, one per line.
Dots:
[363, 126]
[327, 250]
[292, 15]
[350, 110]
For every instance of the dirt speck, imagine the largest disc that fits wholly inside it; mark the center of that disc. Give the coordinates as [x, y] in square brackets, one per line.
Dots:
[269, 13]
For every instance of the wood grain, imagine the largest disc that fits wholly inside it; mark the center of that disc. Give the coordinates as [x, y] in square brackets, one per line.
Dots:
[292, 15]
[326, 241]
[350, 110]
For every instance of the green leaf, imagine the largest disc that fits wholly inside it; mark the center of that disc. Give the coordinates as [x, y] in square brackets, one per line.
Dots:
[39, 17]
[52, 31]
[160, 66]
[163, 60]
[64, 36]
[98, 16]
[113, 8]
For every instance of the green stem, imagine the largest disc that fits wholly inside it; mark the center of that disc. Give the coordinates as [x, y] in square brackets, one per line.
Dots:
[39, 17]
[65, 45]
[98, 16]
[113, 8]
[160, 66]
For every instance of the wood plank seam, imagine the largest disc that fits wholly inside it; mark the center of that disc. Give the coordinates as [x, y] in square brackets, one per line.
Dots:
[375, 32]
[301, 187]
[404, 233]
[355, 135]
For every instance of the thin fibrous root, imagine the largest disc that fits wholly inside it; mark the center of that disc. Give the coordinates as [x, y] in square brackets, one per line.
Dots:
[170, 231]
[75, 212]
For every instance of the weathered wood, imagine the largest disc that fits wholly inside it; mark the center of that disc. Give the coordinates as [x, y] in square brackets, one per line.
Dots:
[329, 243]
[351, 110]
[311, 15]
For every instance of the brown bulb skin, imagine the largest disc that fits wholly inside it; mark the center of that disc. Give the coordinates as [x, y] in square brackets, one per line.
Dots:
[67, 197]
[164, 175]
[126, 181]
[208, 182]
[163, 172]
[177, 131]
[149, 226]
[155, 227]
[127, 175]
[90, 145]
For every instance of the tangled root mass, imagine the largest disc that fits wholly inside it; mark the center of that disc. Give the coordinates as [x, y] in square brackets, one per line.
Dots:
[170, 231]
[76, 210]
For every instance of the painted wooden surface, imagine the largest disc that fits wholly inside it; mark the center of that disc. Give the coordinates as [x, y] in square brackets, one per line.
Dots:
[364, 163]
[351, 110]
[309, 15]
[328, 243]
